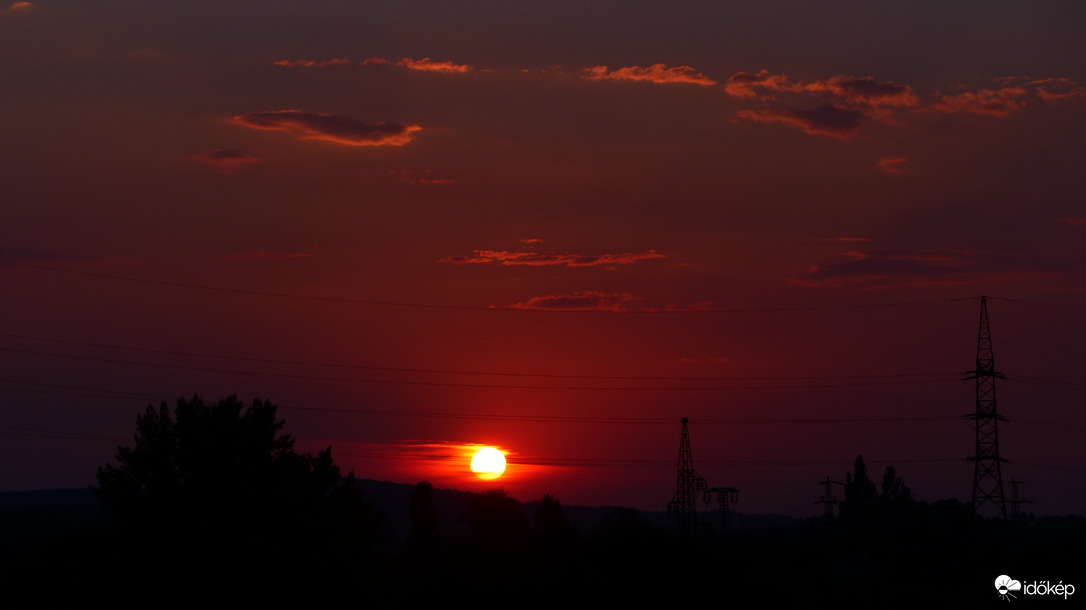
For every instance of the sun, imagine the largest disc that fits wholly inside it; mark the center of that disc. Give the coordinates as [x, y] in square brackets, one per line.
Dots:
[488, 463]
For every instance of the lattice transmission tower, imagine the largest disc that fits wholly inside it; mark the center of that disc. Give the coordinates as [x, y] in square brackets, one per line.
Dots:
[1017, 499]
[987, 465]
[684, 505]
[726, 496]
[828, 500]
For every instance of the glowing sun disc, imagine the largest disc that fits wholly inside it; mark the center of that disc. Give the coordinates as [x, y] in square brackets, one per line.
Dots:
[488, 463]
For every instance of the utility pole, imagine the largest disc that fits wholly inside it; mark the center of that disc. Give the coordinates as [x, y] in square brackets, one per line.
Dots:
[987, 472]
[690, 484]
[828, 499]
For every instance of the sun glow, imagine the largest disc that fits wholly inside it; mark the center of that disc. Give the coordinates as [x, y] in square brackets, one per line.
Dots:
[488, 463]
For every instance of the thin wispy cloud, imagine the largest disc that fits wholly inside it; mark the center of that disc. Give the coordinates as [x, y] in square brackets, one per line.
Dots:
[543, 259]
[312, 63]
[922, 267]
[329, 127]
[228, 161]
[843, 102]
[990, 102]
[826, 120]
[656, 73]
[589, 300]
[893, 164]
[427, 65]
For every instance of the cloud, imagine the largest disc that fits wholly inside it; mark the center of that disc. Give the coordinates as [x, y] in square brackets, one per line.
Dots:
[865, 91]
[1057, 89]
[329, 127]
[894, 164]
[542, 259]
[228, 161]
[425, 65]
[746, 85]
[312, 63]
[262, 256]
[1073, 221]
[824, 120]
[851, 99]
[989, 102]
[931, 266]
[412, 176]
[656, 73]
[855, 239]
[20, 7]
[579, 301]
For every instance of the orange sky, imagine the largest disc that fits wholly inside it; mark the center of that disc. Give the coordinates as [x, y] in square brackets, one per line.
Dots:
[551, 227]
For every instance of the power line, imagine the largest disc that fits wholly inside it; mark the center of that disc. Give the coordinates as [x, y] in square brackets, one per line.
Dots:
[465, 385]
[463, 372]
[406, 304]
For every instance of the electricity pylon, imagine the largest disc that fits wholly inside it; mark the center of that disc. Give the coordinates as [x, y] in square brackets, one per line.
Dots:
[828, 499]
[725, 496]
[1017, 500]
[690, 484]
[987, 471]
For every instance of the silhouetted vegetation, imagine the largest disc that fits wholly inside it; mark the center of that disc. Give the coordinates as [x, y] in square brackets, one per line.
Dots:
[214, 498]
[217, 488]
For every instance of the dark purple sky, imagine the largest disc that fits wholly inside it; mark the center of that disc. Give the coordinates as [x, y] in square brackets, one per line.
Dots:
[552, 227]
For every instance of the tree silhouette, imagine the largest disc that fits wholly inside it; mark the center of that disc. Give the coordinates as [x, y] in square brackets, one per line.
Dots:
[860, 493]
[894, 490]
[423, 538]
[223, 481]
[494, 521]
[551, 522]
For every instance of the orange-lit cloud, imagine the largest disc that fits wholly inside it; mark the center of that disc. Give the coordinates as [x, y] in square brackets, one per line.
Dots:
[865, 91]
[541, 259]
[894, 164]
[228, 161]
[852, 99]
[579, 301]
[1057, 89]
[16, 7]
[824, 120]
[746, 85]
[656, 73]
[329, 127]
[312, 63]
[426, 65]
[990, 102]
[262, 256]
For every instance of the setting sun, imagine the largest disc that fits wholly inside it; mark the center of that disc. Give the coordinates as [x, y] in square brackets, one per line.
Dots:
[488, 463]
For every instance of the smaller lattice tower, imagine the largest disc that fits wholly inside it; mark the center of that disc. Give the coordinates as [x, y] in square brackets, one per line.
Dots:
[726, 496]
[987, 465]
[1017, 499]
[828, 500]
[684, 506]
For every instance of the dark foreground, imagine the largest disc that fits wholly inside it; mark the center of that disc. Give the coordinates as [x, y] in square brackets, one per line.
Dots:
[446, 546]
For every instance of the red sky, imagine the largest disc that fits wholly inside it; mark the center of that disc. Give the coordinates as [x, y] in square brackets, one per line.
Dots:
[551, 227]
